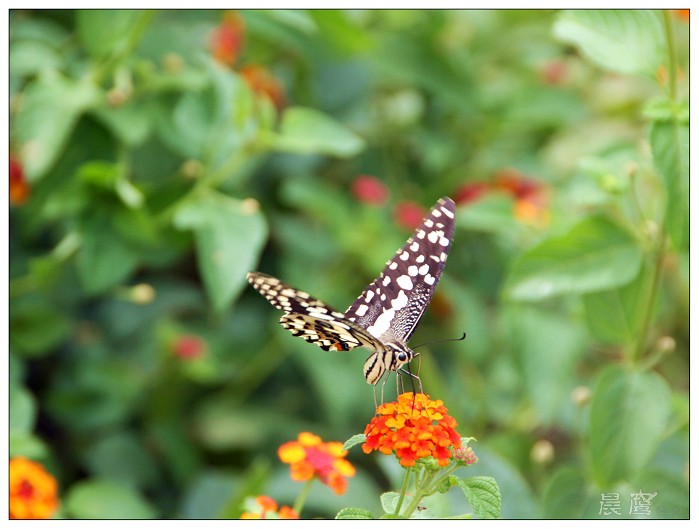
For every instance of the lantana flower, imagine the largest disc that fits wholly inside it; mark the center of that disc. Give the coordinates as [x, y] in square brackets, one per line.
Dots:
[414, 427]
[226, 40]
[265, 507]
[33, 491]
[310, 457]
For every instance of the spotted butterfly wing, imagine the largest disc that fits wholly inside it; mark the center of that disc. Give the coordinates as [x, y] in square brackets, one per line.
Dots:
[385, 315]
[310, 318]
[392, 305]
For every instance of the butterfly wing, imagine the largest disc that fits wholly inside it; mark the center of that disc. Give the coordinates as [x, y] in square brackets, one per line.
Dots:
[310, 318]
[392, 305]
[330, 334]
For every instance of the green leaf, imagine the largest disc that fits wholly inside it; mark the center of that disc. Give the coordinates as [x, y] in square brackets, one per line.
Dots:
[483, 493]
[50, 109]
[353, 441]
[230, 234]
[354, 513]
[567, 495]
[109, 32]
[629, 413]
[626, 41]
[616, 315]
[490, 214]
[670, 144]
[123, 458]
[22, 410]
[130, 123]
[37, 325]
[207, 493]
[308, 131]
[672, 501]
[389, 502]
[104, 259]
[596, 254]
[212, 124]
[27, 445]
[32, 57]
[98, 499]
[534, 332]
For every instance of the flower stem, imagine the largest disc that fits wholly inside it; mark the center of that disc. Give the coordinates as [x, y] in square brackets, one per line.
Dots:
[403, 490]
[301, 499]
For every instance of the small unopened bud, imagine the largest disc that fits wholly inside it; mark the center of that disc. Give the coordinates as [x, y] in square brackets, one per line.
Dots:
[173, 63]
[580, 395]
[191, 169]
[650, 228]
[142, 294]
[250, 206]
[466, 455]
[542, 452]
[666, 344]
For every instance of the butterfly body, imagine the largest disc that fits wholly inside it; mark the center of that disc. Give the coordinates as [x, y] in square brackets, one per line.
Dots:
[384, 316]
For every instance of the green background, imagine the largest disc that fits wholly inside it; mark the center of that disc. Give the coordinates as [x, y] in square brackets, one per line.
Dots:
[145, 216]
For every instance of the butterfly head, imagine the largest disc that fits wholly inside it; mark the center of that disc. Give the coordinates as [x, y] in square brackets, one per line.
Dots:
[392, 357]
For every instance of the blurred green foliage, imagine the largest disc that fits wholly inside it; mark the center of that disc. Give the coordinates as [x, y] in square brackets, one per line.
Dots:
[153, 383]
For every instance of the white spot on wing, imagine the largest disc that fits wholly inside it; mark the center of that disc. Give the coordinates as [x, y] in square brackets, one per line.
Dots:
[400, 301]
[369, 296]
[361, 311]
[424, 269]
[447, 212]
[429, 279]
[412, 270]
[432, 236]
[415, 247]
[405, 282]
[404, 256]
[386, 280]
[382, 323]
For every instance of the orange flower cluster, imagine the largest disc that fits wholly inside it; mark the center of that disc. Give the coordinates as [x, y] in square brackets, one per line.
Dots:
[412, 428]
[268, 510]
[226, 40]
[33, 491]
[263, 83]
[310, 457]
[530, 196]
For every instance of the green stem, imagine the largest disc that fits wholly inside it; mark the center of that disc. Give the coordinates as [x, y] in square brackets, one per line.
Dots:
[652, 295]
[403, 490]
[671, 54]
[661, 246]
[301, 499]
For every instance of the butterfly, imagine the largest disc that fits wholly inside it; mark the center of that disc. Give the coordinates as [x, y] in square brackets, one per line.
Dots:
[385, 315]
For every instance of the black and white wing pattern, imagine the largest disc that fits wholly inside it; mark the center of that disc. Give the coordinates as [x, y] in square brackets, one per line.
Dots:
[310, 318]
[392, 305]
[385, 315]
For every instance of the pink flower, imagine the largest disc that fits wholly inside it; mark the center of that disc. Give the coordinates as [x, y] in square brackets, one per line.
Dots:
[188, 347]
[370, 190]
[408, 215]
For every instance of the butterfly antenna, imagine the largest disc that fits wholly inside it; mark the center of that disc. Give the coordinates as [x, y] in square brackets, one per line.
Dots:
[463, 337]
